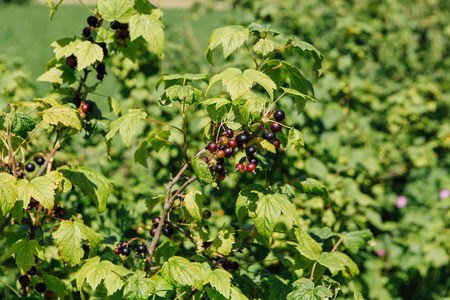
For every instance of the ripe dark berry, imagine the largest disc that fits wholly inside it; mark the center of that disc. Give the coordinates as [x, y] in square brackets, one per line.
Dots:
[251, 167]
[205, 159]
[125, 251]
[86, 31]
[124, 34]
[242, 138]
[220, 168]
[276, 143]
[206, 214]
[32, 271]
[232, 143]
[153, 231]
[270, 136]
[228, 152]
[100, 76]
[24, 280]
[156, 220]
[124, 244]
[40, 287]
[233, 265]
[30, 167]
[119, 246]
[85, 107]
[220, 153]
[221, 176]
[212, 147]
[253, 160]
[229, 133]
[123, 26]
[142, 248]
[92, 21]
[105, 50]
[221, 147]
[49, 295]
[18, 165]
[115, 25]
[240, 168]
[223, 140]
[275, 127]
[101, 68]
[140, 230]
[71, 61]
[76, 101]
[250, 151]
[167, 231]
[279, 115]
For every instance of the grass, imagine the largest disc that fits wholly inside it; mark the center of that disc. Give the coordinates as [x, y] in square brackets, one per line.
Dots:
[27, 32]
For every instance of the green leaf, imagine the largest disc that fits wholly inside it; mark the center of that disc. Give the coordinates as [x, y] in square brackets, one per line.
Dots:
[281, 71]
[331, 262]
[279, 287]
[65, 47]
[166, 250]
[94, 185]
[163, 288]
[126, 125]
[47, 102]
[174, 79]
[22, 123]
[194, 204]
[304, 48]
[268, 146]
[158, 140]
[41, 189]
[304, 290]
[53, 75]
[297, 93]
[150, 28]
[102, 35]
[114, 106]
[306, 245]
[265, 46]
[316, 167]
[88, 53]
[230, 37]
[137, 288]
[93, 271]
[224, 240]
[141, 154]
[201, 170]
[238, 82]
[351, 269]
[358, 296]
[312, 187]
[8, 192]
[55, 284]
[178, 93]
[356, 240]
[260, 30]
[69, 237]
[295, 138]
[220, 280]
[180, 272]
[69, 117]
[115, 10]
[25, 253]
[252, 108]
[236, 294]
[267, 213]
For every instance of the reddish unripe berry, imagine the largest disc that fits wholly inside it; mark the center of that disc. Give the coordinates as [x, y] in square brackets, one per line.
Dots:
[251, 167]
[116, 251]
[223, 140]
[276, 143]
[220, 153]
[205, 159]
[71, 61]
[85, 107]
[212, 147]
[83, 115]
[240, 168]
[232, 143]
[221, 176]
[86, 31]
[275, 127]
[229, 133]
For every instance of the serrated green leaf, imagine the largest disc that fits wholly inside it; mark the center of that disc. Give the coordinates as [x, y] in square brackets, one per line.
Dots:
[62, 114]
[174, 79]
[158, 140]
[88, 53]
[69, 237]
[220, 280]
[114, 106]
[356, 240]
[194, 204]
[351, 269]
[252, 108]
[180, 272]
[65, 47]
[230, 37]
[304, 48]
[268, 146]
[22, 123]
[179, 93]
[25, 253]
[54, 75]
[41, 189]
[323, 233]
[201, 170]
[115, 10]
[265, 46]
[260, 30]
[224, 240]
[247, 196]
[150, 28]
[331, 262]
[8, 192]
[295, 138]
[304, 290]
[137, 288]
[55, 284]
[93, 184]
[93, 271]
[141, 154]
[59, 180]
[165, 251]
[267, 213]
[236, 294]
[312, 187]
[126, 125]
[238, 82]
[358, 296]
[142, 6]
[279, 287]
[306, 245]
[163, 288]
[47, 102]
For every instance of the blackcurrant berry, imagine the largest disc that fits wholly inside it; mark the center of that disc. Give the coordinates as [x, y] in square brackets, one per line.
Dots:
[205, 159]
[220, 168]
[153, 231]
[221, 176]
[275, 127]
[234, 265]
[71, 61]
[32, 271]
[270, 136]
[100, 76]
[115, 25]
[140, 230]
[105, 50]
[229, 133]
[228, 152]
[279, 115]
[86, 31]
[156, 220]
[251, 167]
[85, 107]
[223, 140]
[40, 287]
[124, 34]
[168, 231]
[24, 280]
[18, 165]
[119, 246]
[276, 143]
[221, 147]
[101, 68]
[206, 214]
[250, 151]
[220, 153]
[30, 167]
[212, 147]
[116, 251]
[92, 21]
[253, 160]
[76, 101]
[242, 138]
[240, 168]
[125, 251]
[124, 244]
[123, 26]
[232, 143]
[142, 248]
[49, 295]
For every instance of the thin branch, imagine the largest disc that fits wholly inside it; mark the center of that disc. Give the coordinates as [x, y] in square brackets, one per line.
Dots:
[5, 223]
[12, 157]
[172, 143]
[84, 6]
[254, 59]
[195, 136]
[270, 107]
[337, 244]
[183, 232]
[312, 271]
[167, 124]
[17, 293]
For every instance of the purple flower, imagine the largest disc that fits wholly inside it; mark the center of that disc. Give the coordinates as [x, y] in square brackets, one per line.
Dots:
[380, 252]
[401, 201]
[443, 194]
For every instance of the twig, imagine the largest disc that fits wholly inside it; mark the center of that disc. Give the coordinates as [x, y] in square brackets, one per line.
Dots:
[5, 223]
[254, 59]
[162, 123]
[337, 244]
[17, 293]
[183, 232]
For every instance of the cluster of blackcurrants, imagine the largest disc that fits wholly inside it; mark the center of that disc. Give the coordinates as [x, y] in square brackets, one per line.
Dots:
[121, 34]
[84, 107]
[226, 146]
[40, 287]
[167, 230]
[124, 249]
[29, 167]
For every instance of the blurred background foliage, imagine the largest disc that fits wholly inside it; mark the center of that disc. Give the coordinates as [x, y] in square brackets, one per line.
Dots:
[380, 129]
